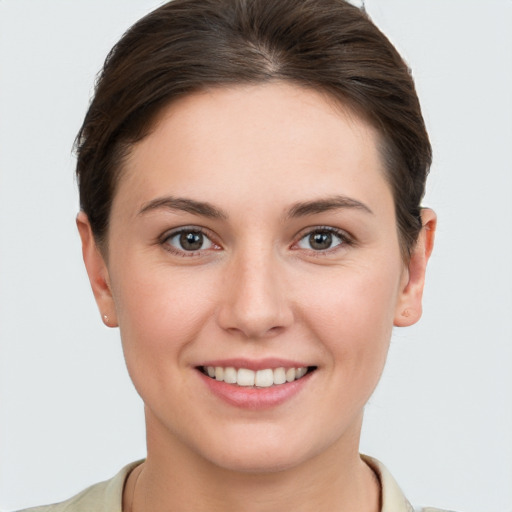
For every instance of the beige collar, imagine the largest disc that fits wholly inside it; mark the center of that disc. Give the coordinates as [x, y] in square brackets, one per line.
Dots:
[393, 499]
[107, 496]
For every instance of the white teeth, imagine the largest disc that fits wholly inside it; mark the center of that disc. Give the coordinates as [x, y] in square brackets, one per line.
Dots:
[279, 376]
[301, 372]
[264, 378]
[245, 377]
[261, 378]
[290, 374]
[230, 375]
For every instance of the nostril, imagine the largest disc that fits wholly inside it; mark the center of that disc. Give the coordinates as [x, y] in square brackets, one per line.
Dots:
[253, 302]
[256, 331]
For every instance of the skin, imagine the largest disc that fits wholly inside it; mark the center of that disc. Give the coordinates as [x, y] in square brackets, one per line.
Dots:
[257, 289]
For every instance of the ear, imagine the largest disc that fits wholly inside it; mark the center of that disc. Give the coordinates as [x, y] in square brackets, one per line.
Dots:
[409, 308]
[97, 271]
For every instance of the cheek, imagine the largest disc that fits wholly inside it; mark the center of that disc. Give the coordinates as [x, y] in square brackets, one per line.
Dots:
[352, 313]
[159, 313]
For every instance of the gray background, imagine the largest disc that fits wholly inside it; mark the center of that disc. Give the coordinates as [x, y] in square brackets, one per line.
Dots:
[441, 418]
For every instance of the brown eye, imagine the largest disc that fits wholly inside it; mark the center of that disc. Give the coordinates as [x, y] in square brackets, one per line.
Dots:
[189, 241]
[321, 240]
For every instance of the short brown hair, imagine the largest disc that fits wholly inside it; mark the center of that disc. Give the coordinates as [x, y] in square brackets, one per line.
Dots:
[188, 45]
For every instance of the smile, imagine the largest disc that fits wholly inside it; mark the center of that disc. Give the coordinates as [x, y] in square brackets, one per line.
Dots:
[264, 378]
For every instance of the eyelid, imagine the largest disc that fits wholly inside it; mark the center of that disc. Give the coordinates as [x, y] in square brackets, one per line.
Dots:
[164, 238]
[346, 239]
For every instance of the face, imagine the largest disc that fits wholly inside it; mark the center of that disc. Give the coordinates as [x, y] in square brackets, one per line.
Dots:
[254, 270]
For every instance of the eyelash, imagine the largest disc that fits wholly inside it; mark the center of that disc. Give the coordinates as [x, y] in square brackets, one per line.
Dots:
[344, 240]
[167, 237]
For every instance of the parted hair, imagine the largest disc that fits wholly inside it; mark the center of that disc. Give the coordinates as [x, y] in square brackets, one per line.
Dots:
[186, 46]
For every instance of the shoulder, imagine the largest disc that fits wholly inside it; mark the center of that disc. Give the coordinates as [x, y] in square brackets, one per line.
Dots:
[88, 499]
[431, 509]
[392, 497]
[105, 496]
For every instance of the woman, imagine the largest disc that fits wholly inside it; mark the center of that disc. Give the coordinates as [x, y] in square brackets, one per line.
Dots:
[250, 181]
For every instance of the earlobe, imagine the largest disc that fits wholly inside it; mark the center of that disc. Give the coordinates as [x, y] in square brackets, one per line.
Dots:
[409, 306]
[97, 271]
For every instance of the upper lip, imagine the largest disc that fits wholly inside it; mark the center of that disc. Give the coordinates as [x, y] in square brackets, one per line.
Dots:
[254, 364]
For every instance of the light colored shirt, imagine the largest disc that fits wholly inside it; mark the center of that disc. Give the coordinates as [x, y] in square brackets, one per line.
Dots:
[108, 496]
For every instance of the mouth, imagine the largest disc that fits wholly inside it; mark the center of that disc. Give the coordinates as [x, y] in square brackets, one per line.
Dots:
[247, 378]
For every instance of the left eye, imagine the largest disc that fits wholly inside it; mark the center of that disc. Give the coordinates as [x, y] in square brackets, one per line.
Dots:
[189, 241]
[320, 240]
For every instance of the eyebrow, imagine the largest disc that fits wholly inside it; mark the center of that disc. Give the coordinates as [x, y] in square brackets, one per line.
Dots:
[205, 209]
[185, 205]
[324, 205]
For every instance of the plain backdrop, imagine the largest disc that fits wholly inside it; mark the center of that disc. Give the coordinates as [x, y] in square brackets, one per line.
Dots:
[441, 418]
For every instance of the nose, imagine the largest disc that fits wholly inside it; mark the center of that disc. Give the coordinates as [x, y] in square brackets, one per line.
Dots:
[254, 300]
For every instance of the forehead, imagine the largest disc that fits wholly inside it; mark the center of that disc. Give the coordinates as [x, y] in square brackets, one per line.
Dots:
[278, 137]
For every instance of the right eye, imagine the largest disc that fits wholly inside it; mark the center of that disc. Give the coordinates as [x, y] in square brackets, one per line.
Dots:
[189, 241]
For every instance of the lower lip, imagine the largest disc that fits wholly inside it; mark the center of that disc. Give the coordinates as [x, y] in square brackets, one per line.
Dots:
[255, 398]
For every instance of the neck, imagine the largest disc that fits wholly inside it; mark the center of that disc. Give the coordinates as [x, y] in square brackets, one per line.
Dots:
[175, 478]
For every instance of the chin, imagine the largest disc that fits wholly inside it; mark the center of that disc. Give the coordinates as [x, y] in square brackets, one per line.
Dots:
[260, 452]
[257, 461]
